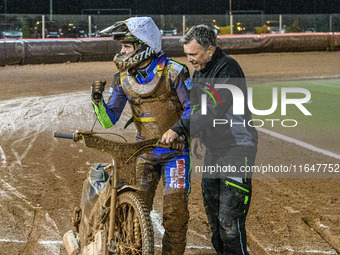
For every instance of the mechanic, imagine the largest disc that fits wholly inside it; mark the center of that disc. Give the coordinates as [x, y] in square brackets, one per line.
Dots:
[157, 89]
[226, 195]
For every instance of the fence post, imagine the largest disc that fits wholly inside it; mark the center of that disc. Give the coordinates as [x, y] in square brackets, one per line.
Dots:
[330, 23]
[183, 23]
[280, 23]
[43, 27]
[162, 22]
[231, 24]
[51, 10]
[90, 26]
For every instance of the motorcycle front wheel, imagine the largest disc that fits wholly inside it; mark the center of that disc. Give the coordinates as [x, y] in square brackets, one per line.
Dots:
[133, 227]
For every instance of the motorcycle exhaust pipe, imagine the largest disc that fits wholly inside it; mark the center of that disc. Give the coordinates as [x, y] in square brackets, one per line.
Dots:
[71, 243]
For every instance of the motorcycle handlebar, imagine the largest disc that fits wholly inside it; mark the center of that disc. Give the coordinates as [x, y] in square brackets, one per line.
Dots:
[172, 146]
[63, 135]
[176, 145]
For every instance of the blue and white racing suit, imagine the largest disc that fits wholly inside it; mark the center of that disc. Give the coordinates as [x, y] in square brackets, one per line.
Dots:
[159, 97]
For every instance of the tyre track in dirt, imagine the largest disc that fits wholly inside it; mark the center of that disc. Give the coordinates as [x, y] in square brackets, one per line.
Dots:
[30, 122]
[288, 202]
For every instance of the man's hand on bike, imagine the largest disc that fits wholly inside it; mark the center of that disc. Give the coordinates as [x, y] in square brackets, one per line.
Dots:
[97, 91]
[169, 136]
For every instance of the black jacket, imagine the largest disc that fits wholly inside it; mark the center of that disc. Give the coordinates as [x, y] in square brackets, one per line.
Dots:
[235, 130]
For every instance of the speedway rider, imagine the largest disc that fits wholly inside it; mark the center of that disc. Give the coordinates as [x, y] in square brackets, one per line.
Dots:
[157, 90]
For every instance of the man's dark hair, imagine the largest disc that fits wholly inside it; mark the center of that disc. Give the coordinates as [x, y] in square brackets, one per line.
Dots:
[204, 35]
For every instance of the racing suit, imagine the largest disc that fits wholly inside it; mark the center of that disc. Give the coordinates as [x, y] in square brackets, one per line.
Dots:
[226, 195]
[158, 96]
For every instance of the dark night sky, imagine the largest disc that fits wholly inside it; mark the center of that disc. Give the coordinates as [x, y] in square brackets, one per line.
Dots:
[172, 6]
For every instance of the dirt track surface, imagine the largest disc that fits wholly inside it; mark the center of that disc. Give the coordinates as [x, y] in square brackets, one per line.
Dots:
[41, 177]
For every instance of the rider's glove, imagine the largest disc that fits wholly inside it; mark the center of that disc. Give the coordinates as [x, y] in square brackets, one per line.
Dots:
[97, 91]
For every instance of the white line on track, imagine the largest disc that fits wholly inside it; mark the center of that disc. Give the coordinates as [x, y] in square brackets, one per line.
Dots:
[298, 142]
[157, 222]
[190, 247]
[199, 247]
[50, 242]
[43, 242]
[11, 241]
[325, 84]
[301, 251]
[3, 157]
[197, 234]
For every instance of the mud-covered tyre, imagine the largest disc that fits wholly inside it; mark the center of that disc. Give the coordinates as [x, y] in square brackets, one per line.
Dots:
[133, 227]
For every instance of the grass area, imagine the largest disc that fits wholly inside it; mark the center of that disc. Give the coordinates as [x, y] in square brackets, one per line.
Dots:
[324, 106]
